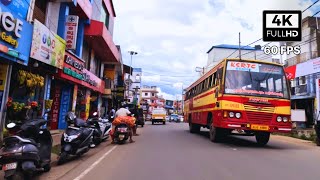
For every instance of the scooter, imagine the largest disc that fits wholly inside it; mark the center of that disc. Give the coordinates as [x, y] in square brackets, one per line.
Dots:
[76, 140]
[121, 133]
[28, 151]
[102, 128]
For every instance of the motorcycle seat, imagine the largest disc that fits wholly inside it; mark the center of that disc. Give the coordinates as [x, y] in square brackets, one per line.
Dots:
[20, 139]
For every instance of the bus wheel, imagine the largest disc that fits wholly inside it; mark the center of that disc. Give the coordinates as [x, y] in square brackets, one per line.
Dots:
[194, 128]
[215, 134]
[262, 138]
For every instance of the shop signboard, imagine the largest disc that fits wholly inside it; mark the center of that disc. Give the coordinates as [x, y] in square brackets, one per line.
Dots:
[64, 106]
[20, 7]
[71, 31]
[55, 107]
[310, 67]
[3, 76]
[73, 70]
[74, 98]
[15, 36]
[47, 46]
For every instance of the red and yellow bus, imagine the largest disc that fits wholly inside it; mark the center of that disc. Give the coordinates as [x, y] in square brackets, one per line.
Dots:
[249, 96]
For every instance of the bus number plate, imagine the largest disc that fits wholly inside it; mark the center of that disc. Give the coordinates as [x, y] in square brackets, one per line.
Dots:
[259, 127]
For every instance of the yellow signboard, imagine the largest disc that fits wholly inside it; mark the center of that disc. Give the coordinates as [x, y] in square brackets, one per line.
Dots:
[3, 75]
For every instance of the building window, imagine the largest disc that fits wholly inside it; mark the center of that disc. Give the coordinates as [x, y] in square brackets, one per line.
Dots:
[146, 94]
[152, 94]
[105, 16]
[39, 11]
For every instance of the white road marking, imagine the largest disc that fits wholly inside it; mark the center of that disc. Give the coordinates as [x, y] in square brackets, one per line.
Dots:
[94, 164]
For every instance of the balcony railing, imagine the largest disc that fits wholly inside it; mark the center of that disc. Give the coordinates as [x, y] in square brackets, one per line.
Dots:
[303, 57]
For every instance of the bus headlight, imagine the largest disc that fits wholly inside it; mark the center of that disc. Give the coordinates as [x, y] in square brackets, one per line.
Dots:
[238, 115]
[231, 114]
[285, 119]
[279, 119]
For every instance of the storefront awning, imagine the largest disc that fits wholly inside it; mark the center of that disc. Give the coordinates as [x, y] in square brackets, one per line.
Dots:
[100, 39]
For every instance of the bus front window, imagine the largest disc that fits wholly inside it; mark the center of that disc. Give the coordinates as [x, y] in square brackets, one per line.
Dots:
[255, 79]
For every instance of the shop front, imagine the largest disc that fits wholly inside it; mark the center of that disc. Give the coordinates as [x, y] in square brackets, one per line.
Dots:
[77, 89]
[304, 98]
[15, 42]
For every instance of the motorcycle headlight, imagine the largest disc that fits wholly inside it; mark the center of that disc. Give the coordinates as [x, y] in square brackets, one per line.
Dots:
[279, 119]
[238, 115]
[231, 114]
[285, 119]
[71, 137]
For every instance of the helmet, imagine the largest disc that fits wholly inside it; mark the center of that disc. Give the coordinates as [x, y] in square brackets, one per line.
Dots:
[70, 117]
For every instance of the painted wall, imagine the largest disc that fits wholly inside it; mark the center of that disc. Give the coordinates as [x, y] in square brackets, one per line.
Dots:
[218, 54]
[52, 17]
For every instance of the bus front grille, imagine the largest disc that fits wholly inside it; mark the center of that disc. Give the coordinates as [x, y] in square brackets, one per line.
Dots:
[259, 117]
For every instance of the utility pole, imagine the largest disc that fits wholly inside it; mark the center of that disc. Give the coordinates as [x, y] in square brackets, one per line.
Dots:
[131, 54]
[239, 47]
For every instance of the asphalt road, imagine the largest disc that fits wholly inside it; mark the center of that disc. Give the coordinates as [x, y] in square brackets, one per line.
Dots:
[170, 152]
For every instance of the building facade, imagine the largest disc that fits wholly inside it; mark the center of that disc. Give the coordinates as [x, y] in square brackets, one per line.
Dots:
[63, 61]
[222, 51]
[133, 92]
[303, 72]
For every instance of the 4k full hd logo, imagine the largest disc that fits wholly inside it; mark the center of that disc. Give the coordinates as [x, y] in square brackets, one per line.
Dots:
[281, 25]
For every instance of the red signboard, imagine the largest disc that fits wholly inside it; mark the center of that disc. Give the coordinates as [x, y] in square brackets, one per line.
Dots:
[290, 72]
[73, 70]
[55, 107]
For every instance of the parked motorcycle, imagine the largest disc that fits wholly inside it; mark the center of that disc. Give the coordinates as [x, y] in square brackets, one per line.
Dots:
[102, 128]
[76, 140]
[28, 151]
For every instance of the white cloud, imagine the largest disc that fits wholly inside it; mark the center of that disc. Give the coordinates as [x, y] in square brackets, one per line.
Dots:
[172, 37]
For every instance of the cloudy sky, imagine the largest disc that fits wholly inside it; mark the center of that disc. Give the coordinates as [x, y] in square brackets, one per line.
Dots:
[173, 36]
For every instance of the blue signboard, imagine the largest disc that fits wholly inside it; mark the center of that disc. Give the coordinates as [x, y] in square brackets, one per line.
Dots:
[20, 7]
[15, 42]
[64, 106]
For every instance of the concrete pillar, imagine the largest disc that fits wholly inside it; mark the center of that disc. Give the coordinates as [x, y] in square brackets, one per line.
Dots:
[64, 12]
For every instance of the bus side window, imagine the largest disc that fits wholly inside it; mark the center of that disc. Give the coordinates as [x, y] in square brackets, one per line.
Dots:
[219, 75]
[210, 81]
[214, 79]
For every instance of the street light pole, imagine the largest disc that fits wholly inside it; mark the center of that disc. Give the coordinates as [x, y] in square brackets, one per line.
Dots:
[131, 54]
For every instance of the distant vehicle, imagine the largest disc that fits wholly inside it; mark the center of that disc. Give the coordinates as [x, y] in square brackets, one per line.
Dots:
[159, 115]
[240, 94]
[140, 117]
[174, 118]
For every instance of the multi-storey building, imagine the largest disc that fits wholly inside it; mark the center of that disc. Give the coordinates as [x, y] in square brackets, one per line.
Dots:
[134, 86]
[303, 72]
[222, 51]
[64, 68]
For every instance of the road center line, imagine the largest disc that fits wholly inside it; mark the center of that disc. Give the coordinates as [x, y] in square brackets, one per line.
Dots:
[94, 164]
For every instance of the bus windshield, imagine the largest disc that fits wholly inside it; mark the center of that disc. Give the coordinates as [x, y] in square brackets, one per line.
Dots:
[255, 79]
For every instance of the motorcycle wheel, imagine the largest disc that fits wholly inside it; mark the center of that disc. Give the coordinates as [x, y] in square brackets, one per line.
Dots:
[18, 175]
[47, 167]
[63, 158]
